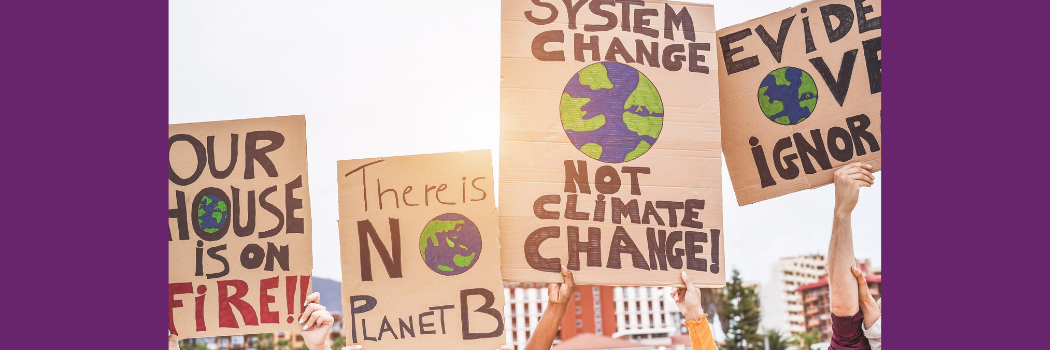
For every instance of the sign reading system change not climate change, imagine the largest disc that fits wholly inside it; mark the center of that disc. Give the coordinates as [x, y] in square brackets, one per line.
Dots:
[609, 145]
[801, 96]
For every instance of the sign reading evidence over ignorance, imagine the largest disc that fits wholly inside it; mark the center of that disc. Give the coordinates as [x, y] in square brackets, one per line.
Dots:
[419, 241]
[239, 242]
[609, 145]
[801, 96]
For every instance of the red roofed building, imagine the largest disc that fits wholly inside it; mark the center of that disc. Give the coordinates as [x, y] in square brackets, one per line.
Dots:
[817, 305]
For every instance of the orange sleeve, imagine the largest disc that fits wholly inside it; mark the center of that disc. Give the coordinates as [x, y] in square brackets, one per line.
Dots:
[700, 334]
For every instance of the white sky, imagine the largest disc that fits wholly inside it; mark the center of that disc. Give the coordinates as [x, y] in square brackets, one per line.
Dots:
[356, 70]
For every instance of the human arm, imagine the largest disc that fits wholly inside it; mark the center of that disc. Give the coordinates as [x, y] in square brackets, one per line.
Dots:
[560, 294]
[688, 300]
[848, 181]
[871, 309]
[173, 343]
[317, 323]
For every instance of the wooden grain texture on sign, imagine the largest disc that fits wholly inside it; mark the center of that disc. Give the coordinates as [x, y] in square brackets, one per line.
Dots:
[419, 241]
[610, 143]
[801, 96]
[239, 231]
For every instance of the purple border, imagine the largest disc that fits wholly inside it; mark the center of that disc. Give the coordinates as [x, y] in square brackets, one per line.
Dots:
[964, 133]
[84, 102]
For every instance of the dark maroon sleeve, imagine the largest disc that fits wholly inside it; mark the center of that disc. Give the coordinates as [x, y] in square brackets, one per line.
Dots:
[847, 333]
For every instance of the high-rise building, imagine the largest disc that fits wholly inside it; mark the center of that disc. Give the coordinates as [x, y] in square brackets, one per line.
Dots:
[782, 307]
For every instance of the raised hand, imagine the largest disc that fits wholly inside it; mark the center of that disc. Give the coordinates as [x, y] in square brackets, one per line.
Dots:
[688, 299]
[848, 181]
[317, 323]
[561, 293]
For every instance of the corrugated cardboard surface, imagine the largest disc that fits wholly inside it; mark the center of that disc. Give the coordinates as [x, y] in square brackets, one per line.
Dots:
[468, 191]
[742, 116]
[684, 162]
[289, 161]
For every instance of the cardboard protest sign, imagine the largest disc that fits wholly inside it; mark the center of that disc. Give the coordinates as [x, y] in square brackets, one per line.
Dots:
[801, 96]
[609, 145]
[419, 241]
[239, 241]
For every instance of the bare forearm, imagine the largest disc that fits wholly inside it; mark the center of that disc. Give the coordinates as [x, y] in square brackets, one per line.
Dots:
[543, 336]
[840, 258]
[871, 310]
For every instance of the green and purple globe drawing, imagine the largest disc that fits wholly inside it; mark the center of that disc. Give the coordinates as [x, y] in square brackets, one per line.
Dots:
[611, 112]
[211, 213]
[450, 244]
[787, 96]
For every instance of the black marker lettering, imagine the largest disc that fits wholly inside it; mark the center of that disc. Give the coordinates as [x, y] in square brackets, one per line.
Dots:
[776, 47]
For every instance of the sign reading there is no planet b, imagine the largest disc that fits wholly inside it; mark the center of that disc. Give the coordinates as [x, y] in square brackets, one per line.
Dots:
[419, 241]
[610, 159]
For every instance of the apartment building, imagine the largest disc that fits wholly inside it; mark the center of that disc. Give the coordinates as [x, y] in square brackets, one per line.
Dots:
[781, 303]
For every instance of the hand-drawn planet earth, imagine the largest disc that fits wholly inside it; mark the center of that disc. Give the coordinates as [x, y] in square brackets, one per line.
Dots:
[611, 112]
[450, 244]
[787, 96]
[211, 213]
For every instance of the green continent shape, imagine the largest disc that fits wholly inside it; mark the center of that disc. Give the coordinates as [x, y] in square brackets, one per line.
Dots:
[572, 114]
[783, 120]
[638, 151]
[596, 77]
[645, 95]
[210, 230]
[644, 126]
[592, 150]
[217, 215]
[449, 241]
[431, 230]
[769, 108]
[221, 206]
[463, 261]
[810, 104]
[444, 268]
[200, 211]
[781, 79]
[807, 89]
